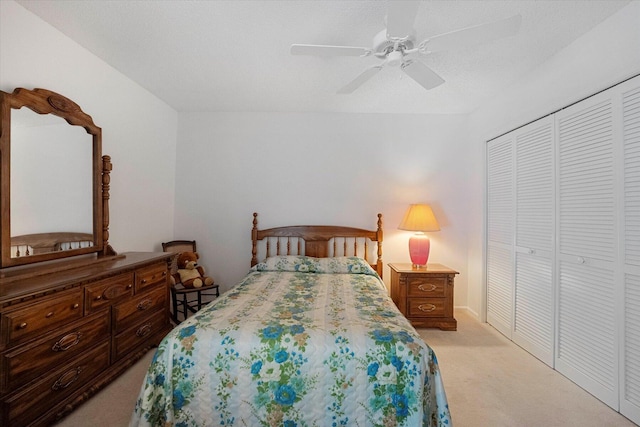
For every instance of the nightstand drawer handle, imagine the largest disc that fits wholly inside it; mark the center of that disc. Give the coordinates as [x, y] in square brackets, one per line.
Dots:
[432, 288]
[426, 308]
[67, 341]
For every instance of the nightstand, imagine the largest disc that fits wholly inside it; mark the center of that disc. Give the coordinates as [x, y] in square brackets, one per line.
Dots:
[424, 295]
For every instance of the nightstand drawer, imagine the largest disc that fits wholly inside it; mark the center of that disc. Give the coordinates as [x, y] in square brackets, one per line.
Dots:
[427, 307]
[426, 287]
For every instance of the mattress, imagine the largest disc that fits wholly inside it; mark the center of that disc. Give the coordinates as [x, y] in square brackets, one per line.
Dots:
[299, 342]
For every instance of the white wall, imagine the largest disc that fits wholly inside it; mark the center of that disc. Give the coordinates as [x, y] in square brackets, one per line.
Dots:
[603, 57]
[337, 169]
[138, 130]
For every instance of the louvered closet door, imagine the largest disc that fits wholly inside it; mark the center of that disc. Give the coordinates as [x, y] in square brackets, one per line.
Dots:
[500, 226]
[587, 341]
[630, 380]
[533, 327]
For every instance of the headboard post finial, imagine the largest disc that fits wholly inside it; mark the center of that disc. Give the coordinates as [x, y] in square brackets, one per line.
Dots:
[254, 240]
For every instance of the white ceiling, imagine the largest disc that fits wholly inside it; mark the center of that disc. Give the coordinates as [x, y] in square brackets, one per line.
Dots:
[234, 55]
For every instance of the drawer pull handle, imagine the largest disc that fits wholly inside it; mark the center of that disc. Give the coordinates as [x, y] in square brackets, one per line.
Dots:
[67, 341]
[98, 298]
[164, 274]
[426, 308]
[144, 330]
[144, 304]
[129, 286]
[75, 306]
[432, 288]
[22, 325]
[143, 281]
[49, 314]
[67, 379]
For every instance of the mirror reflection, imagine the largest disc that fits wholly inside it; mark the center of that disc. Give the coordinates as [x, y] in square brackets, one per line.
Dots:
[51, 184]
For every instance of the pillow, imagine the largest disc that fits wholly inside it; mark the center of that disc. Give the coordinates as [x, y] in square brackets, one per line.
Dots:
[305, 264]
[297, 263]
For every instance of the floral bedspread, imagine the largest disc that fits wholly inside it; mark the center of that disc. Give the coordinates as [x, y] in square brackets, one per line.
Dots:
[299, 342]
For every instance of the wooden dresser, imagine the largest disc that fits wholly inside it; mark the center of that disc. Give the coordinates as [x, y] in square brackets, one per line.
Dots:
[69, 327]
[424, 296]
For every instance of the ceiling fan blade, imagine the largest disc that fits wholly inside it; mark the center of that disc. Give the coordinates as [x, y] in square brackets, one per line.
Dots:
[322, 50]
[425, 76]
[474, 35]
[358, 81]
[400, 18]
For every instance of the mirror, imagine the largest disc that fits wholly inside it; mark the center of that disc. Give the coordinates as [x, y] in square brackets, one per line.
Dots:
[46, 154]
[54, 184]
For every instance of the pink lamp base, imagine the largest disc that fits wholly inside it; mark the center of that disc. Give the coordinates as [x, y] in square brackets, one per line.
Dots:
[419, 246]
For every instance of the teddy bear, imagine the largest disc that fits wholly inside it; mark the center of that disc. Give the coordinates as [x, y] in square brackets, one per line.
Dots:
[189, 273]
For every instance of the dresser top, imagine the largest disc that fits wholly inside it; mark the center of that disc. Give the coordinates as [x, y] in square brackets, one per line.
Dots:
[430, 268]
[24, 281]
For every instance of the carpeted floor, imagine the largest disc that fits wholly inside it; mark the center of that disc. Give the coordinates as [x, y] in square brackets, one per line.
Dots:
[490, 382]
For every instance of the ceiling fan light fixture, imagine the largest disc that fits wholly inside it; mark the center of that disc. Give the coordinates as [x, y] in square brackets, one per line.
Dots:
[394, 58]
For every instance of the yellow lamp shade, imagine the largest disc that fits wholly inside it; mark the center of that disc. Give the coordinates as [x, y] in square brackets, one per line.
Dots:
[419, 218]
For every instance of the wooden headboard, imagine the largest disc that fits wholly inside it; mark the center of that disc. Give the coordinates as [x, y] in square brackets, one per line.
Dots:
[319, 241]
[34, 244]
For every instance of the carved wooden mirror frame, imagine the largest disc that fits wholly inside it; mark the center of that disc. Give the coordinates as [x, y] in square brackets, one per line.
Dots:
[43, 101]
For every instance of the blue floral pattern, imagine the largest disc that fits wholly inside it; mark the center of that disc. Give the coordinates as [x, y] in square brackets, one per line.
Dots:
[289, 348]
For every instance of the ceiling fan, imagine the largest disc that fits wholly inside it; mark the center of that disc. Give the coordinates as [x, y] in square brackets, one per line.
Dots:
[396, 45]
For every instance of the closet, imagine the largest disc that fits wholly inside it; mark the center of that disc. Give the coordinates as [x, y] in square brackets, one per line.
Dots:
[563, 242]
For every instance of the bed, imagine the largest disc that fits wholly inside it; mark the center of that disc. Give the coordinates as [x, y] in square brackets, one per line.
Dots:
[309, 337]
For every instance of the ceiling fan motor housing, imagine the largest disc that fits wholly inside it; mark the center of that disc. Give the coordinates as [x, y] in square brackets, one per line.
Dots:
[382, 45]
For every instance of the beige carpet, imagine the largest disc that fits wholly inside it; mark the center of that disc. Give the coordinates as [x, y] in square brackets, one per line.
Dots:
[494, 383]
[490, 382]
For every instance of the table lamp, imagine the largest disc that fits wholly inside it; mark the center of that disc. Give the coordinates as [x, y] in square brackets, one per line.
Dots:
[419, 218]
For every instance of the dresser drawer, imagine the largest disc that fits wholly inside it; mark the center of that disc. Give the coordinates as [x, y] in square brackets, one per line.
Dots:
[105, 292]
[427, 307]
[426, 287]
[35, 319]
[138, 335]
[25, 407]
[25, 364]
[128, 313]
[151, 276]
